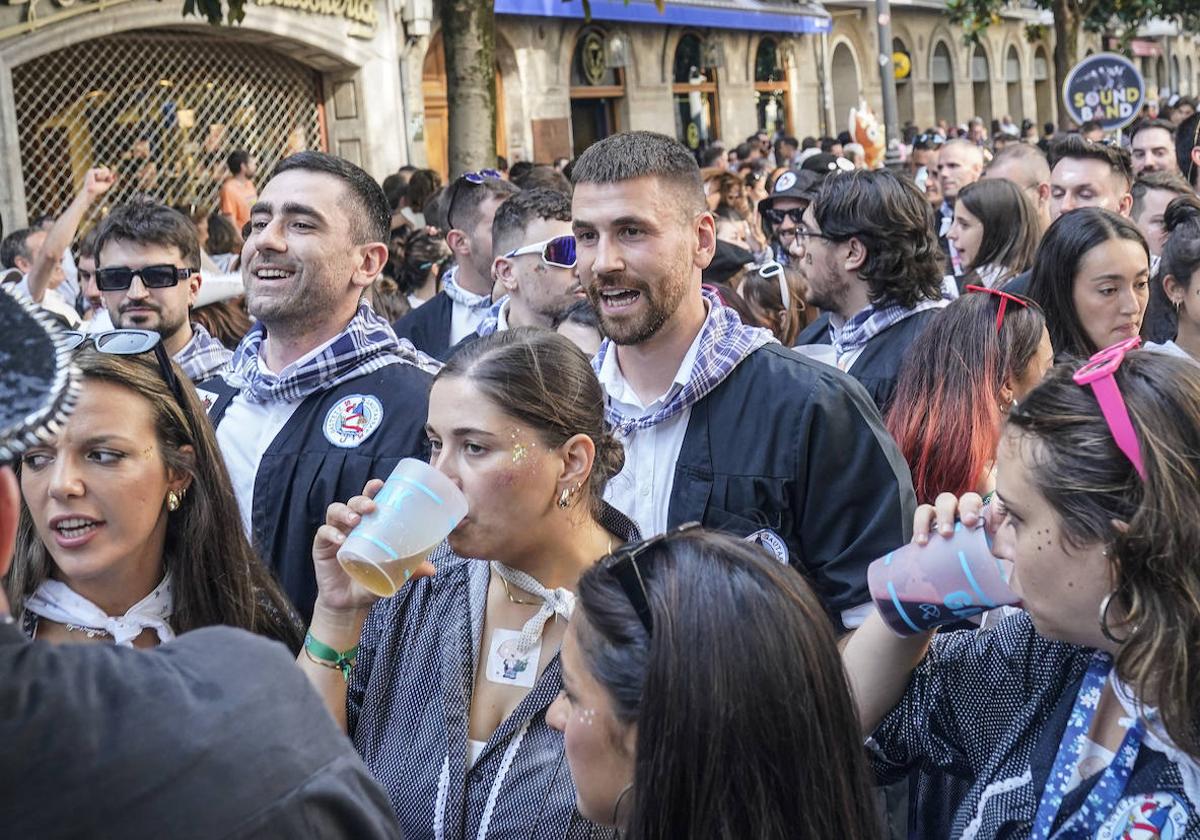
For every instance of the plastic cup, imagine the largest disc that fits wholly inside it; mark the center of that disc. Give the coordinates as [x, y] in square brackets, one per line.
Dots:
[920, 587]
[416, 509]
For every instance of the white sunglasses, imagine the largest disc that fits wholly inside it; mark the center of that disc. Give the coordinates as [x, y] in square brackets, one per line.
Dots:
[558, 252]
[770, 269]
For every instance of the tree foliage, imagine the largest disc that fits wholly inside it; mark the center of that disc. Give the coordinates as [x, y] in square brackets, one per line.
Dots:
[1120, 17]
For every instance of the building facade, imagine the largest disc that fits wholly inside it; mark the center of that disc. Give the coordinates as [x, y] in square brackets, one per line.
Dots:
[164, 99]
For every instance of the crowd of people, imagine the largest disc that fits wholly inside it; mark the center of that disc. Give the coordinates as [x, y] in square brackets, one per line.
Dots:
[688, 398]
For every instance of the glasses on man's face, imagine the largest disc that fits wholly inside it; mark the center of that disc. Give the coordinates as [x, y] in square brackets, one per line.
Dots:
[776, 216]
[119, 278]
[558, 252]
[472, 178]
[132, 343]
[622, 564]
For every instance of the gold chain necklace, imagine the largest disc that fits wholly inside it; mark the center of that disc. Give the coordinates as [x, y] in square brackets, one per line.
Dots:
[514, 600]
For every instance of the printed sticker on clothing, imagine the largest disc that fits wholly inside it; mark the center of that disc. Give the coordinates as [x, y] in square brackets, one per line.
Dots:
[352, 420]
[506, 664]
[1148, 816]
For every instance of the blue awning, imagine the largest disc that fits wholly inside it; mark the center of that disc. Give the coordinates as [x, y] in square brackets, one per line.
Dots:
[785, 18]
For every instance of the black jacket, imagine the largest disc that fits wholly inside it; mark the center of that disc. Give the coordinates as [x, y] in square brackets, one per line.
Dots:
[795, 445]
[217, 734]
[878, 366]
[428, 326]
[302, 472]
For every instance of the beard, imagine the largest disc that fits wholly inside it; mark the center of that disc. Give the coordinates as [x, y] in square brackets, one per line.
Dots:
[657, 305]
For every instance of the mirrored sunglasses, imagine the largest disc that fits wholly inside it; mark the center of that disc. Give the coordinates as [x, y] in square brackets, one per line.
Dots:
[558, 252]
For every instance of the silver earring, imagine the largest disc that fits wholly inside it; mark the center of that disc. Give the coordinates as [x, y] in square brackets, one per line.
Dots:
[1108, 634]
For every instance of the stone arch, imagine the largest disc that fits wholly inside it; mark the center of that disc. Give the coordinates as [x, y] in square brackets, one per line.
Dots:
[941, 77]
[845, 72]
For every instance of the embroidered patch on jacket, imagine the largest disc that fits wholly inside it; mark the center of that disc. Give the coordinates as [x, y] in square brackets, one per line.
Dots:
[352, 420]
[1147, 816]
[772, 542]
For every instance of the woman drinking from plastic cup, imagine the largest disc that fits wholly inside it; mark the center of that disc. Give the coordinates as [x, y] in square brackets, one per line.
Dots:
[1077, 717]
[444, 687]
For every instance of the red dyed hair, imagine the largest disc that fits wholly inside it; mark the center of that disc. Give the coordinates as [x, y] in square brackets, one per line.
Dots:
[945, 415]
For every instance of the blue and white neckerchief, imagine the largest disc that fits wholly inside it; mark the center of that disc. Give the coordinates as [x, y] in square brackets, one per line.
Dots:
[725, 342]
[491, 321]
[461, 296]
[871, 321]
[203, 357]
[1107, 791]
[366, 345]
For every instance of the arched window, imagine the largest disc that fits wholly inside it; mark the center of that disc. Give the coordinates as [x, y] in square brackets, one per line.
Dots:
[846, 87]
[1012, 81]
[904, 83]
[597, 87]
[1043, 85]
[981, 85]
[941, 73]
[771, 88]
[695, 92]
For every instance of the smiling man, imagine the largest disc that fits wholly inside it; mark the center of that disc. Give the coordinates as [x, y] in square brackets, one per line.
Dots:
[321, 395]
[720, 423]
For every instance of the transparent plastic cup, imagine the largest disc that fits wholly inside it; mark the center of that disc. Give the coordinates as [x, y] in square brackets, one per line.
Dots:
[416, 509]
[920, 587]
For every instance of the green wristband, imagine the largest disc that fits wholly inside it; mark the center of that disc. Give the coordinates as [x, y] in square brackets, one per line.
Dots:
[323, 654]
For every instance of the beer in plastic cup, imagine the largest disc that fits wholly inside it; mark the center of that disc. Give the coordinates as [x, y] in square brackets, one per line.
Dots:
[416, 509]
[920, 587]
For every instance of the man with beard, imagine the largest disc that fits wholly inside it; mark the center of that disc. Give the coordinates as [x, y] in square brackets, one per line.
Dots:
[321, 396]
[217, 734]
[874, 269]
[534, 262]
[466, 297]
[148, 272]
[720, 423]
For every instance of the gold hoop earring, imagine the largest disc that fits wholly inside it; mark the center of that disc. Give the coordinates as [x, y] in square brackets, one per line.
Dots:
[173, 501]
[564, 499]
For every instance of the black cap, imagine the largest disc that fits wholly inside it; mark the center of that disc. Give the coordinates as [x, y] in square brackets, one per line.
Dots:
[37, 388]
[727, 262]
[802, 185]
[823, 164]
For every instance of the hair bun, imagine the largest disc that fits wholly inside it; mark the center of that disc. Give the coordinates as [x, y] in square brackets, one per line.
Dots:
[610, 456]
[1181, 211]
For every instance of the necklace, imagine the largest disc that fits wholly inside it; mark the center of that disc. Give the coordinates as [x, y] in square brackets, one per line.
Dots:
[515, 600]
[90, 632]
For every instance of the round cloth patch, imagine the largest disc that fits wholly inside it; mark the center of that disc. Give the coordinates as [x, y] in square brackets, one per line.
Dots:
[772, 542]
[1148, 816]
[352, 420]
[785, 181]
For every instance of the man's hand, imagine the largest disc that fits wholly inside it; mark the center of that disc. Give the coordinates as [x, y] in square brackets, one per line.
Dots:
[97, 182]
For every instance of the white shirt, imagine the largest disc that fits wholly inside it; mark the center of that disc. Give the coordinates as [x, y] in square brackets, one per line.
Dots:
[101, 321]
[642, 490]
[464, 321]
[247, 431]
[52, 301]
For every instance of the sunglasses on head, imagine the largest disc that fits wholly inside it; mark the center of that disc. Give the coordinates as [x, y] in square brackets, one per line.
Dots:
[119, 278]
[472, 178]
[558, 252]
[1005, 299]
[772, 270]
[622, 564]
[929, 140]
[1099, 372]
[131, 343]
[776, 217]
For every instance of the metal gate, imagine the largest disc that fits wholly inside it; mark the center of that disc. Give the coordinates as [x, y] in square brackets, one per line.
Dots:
[163, 109]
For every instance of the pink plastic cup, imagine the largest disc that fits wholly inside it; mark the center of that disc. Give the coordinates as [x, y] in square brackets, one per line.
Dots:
[920, 587]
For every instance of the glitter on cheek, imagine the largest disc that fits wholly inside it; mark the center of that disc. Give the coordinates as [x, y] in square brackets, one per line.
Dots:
[586, 716]
[520, 449]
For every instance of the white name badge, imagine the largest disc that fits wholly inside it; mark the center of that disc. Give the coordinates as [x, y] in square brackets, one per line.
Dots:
[506, 665]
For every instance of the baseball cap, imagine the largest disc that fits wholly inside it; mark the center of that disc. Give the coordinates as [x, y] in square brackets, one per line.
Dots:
[728, 260]
[802, 185]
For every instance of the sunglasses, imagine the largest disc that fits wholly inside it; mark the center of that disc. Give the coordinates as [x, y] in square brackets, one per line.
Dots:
[472, 178]
[929, 140]
[120, 278]
[558, 252]
[1005, 299]
[131, 343]
[622, 564]
[1100, 373]
[776, 217]
[774, 270]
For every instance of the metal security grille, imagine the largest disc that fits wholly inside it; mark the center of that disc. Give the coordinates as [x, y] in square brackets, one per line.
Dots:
[164, 110]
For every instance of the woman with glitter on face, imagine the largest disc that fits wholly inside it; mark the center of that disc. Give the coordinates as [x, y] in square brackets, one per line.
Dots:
[447, 697]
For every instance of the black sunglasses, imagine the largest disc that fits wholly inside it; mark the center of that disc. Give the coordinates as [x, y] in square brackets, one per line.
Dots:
[472, 178]
[776, 217]
[622, 565]
[131, 343]
[120, 278]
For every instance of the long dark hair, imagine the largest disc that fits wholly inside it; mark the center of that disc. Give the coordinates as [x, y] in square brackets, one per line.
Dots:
[949, 388]
[1052, 282]
[1010, 225]
[218, 579]
[1090, 483]
[543, 380]
[745, 724]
